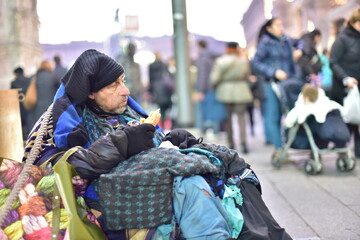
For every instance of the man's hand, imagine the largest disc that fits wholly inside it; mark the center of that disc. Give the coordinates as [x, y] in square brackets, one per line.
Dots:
[140, 138]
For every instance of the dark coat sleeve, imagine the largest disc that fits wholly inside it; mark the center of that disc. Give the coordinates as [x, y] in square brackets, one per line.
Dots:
[336, 56]
[309, 61]
[104, 154]
[259, 64]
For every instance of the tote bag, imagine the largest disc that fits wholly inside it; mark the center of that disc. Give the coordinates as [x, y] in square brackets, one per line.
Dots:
[46, 207]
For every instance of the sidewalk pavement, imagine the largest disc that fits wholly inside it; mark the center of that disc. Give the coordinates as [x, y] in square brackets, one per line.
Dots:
[324, 206]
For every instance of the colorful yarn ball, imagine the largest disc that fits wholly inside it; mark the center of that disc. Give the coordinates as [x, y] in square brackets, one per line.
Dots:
[48, 200]
[64, 218]
[14, 231]
[31, 223]
[2, 185]
[7, 164]
[10, 176]
[4, 193]
[35, 206]
[80, 185]
[26, 193]
[46, 184]
[10, 218]
[3, 235]
[42, 234]
[37, 173]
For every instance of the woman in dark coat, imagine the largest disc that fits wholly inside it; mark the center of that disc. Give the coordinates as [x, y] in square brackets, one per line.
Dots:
[274, 62]
[345, 63]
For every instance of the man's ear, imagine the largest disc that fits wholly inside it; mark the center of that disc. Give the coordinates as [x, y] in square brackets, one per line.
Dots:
[91, 96]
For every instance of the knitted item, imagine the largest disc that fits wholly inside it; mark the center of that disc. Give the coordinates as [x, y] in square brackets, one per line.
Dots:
[30, 216]
[137, 193]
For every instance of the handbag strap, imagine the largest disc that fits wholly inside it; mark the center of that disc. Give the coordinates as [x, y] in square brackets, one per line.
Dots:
[35, 150]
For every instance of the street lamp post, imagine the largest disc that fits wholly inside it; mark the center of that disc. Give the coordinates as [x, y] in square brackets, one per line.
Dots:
[182, 76]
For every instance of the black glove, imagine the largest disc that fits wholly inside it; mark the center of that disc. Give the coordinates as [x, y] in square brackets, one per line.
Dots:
[140, 138]
[181, 138]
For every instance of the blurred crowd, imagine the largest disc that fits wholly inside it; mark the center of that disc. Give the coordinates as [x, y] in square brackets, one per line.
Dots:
[231, 85]
[47, 80]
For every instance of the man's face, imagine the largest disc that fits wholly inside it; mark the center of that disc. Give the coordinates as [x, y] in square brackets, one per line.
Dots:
[113, 97]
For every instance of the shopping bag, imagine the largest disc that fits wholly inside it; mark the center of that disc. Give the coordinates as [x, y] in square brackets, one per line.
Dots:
[39, 212]
[351, 111]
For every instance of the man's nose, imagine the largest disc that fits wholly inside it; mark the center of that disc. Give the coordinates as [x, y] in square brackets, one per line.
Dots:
[124, 91]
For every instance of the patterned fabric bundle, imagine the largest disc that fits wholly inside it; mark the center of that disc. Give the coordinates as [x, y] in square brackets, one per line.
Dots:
[31, 216]
[138, 192]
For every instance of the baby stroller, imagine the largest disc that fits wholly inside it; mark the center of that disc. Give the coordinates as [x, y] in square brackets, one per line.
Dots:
[311, 126]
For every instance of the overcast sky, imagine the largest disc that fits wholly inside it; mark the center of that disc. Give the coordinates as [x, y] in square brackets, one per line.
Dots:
[63, 21]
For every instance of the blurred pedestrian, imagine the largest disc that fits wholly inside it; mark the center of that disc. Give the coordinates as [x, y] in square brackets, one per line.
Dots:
[44, 88]
[59, 71]
[133, 74]
[310, 62]
[229, 77]
[326, 72]
[254, 87]
[274, 61]
[161, 86]
[22, 83]
[208, 115]
[344, 61]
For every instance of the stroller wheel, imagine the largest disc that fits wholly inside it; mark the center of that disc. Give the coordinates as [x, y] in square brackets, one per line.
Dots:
[312, 168]
[342, 164]
[275, 161]
[350, 163]
[278, 158]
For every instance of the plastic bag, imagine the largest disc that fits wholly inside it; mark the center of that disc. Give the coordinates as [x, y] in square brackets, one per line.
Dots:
[351, 112]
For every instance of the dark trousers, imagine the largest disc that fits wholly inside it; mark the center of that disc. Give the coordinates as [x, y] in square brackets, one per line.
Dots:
[354, 130]
[333, 129]
[239, 110]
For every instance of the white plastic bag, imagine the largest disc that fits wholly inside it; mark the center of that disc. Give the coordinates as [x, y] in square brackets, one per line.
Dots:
[351, 112]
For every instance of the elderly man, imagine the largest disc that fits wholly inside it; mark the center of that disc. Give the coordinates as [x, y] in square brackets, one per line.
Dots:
[138, 180]
[92, 109]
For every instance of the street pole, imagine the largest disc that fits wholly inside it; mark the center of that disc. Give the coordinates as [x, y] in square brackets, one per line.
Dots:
[182, 75]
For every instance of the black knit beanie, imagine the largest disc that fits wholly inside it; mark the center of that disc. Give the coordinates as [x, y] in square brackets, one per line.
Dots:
[91, 72]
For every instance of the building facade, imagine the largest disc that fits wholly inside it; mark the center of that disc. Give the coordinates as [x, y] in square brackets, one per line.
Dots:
[19, 39]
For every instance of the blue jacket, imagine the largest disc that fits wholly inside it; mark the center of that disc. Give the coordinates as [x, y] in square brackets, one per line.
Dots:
[272, 54]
